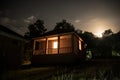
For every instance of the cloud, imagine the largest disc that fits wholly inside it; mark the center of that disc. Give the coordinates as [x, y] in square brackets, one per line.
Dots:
[26, 21]
[13, 24]
[77, 21]
[29, 19]
[7, 21]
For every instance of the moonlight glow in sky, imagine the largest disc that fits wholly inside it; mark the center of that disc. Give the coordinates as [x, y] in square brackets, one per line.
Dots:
[87, 15]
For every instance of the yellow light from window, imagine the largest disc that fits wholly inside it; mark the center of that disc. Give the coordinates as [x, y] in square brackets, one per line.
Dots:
[55, 44]
[80, 47]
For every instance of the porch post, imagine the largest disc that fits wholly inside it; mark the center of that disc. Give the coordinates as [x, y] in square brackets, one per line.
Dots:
[46, 47]
[58, 43]
[72, 43]
[34, 47]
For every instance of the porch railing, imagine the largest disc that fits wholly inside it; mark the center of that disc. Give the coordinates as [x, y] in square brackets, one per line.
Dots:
[53, 51]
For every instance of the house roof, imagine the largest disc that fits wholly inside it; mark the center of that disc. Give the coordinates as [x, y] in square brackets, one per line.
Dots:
[53, 32]
[56, 32]
[9, 33]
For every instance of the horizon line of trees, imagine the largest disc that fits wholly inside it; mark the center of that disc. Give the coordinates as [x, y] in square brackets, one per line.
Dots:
[38, 28]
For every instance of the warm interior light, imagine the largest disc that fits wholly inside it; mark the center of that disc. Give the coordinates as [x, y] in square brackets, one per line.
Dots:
[80, 47]
[55, 44]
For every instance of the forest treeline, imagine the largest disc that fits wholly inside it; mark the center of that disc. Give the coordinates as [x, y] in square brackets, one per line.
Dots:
[106, 46]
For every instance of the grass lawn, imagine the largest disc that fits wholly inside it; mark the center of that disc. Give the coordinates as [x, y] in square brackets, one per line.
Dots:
[27, 74]
[94, 71]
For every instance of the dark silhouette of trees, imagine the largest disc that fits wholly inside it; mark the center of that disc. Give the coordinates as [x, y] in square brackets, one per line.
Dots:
[39, 24]
[107, 33]
[32, 30]
[112, 41]
[109, 45]
[64, 26]
[115, 43]
[89, 38]
[79, 32]
[36, 29]
[105, 47]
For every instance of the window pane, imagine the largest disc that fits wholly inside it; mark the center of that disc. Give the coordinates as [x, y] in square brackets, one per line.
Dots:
[80, 45]
[53, 45]
[65, 44]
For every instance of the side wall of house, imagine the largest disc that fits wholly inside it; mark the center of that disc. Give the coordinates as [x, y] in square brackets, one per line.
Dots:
[75, 44]
[10, 52]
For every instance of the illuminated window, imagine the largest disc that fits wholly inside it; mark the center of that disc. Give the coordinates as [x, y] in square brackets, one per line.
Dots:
[80, 47]
[55, 44]
[52, 45]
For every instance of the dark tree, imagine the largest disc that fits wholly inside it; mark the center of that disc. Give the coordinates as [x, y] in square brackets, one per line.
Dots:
[33, 30]
[36, 29]
[89, 38]
[64, 26]
[107, 33]
[78, 31]
[116, 43]
[39, 24]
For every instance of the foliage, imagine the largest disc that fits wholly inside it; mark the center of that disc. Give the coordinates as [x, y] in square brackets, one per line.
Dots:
[107, 33]
[88, 38]
[40, 26]
[102, 47]
[63, 25]
[36, 29]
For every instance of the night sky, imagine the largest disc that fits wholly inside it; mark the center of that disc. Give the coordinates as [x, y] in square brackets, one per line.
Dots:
[88, 15]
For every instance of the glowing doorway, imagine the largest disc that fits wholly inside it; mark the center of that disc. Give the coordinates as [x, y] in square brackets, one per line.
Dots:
[55, 44]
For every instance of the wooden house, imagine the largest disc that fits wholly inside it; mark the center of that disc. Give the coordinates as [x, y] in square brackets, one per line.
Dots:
[11, 48]
[58, 47]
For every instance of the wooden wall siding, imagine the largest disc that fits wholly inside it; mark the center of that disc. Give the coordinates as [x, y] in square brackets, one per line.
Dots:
[10, 51]
[76, 44]
[65, 42]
